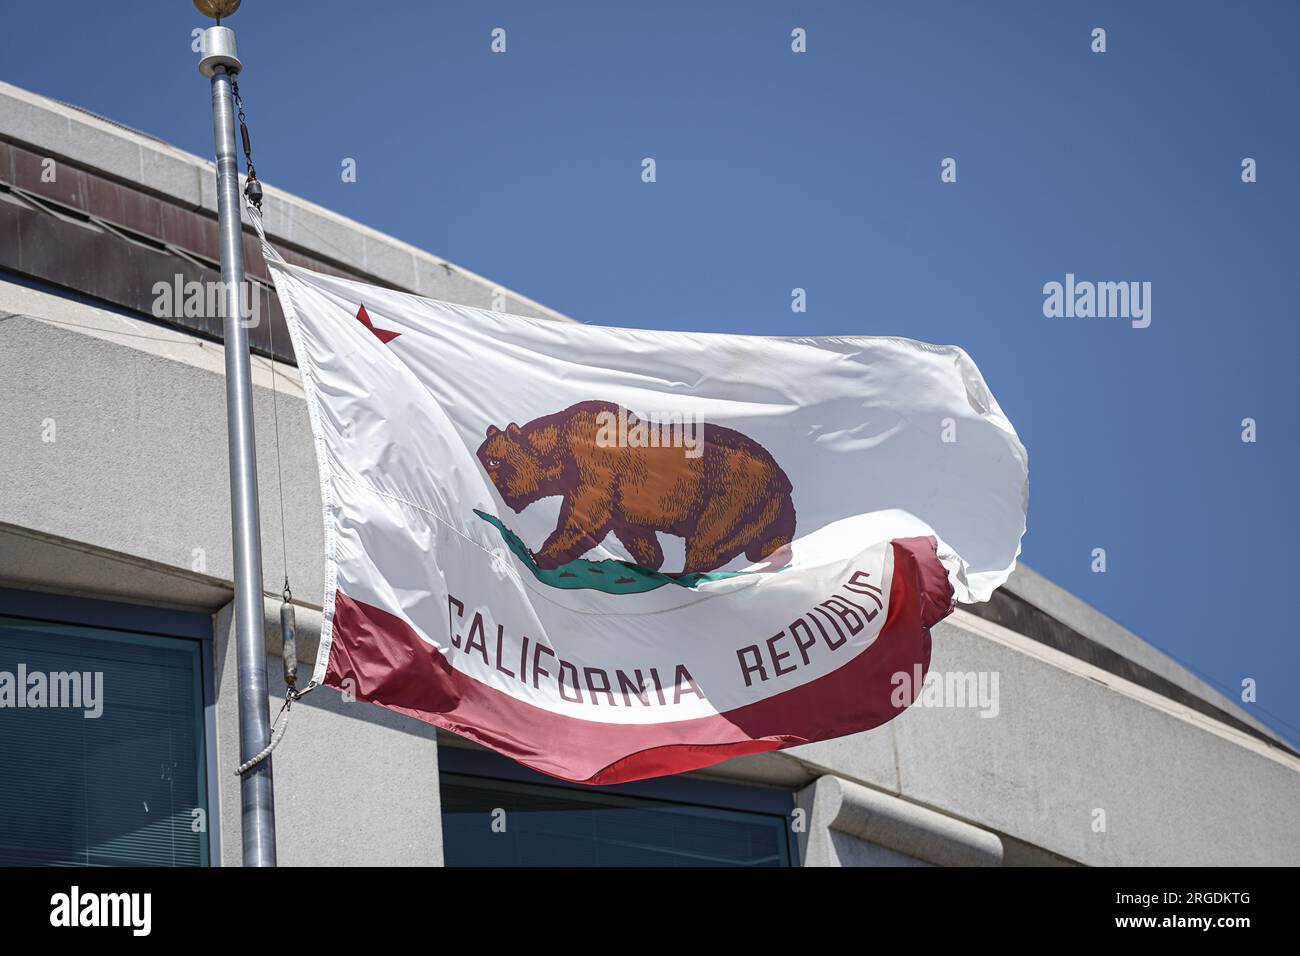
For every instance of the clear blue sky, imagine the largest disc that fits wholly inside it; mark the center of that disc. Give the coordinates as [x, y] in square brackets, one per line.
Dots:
[821, 171]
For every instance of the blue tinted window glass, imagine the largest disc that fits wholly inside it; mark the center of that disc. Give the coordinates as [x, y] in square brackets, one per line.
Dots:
[118, 789]
[490, 822]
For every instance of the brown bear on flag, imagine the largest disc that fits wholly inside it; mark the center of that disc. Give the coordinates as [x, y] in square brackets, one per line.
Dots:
[732, 498]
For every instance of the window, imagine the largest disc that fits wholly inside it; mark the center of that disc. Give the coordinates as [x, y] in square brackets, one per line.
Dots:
[102, 734]
[496, 813]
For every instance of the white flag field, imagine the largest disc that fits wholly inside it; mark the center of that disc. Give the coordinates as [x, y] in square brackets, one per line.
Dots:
[611, 553]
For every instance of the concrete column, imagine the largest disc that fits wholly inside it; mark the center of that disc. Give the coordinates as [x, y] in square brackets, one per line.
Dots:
[852, 825]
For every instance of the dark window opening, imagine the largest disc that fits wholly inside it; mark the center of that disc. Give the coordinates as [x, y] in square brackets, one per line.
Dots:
[519, 818]
[107, 768]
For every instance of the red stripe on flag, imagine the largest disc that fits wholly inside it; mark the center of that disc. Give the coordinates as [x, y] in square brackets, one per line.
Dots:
[390, 665]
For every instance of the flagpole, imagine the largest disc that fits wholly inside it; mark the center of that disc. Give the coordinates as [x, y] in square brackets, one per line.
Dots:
[220, 62]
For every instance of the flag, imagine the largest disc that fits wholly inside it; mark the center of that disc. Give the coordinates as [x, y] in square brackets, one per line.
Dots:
[613, 554]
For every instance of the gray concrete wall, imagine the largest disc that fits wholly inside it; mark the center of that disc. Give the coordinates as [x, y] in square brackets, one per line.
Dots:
[1079, 763]
[137, 461]
[1085, 619]
[136, 480]
[130, 502]
[356, 785]
[849, 824]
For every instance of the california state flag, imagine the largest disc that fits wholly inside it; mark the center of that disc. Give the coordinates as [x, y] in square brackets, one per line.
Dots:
[612, 554]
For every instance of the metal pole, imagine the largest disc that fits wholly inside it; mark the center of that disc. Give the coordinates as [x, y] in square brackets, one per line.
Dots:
[220, 62]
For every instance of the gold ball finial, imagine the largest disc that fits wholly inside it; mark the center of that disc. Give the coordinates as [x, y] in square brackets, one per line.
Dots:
[217, 9]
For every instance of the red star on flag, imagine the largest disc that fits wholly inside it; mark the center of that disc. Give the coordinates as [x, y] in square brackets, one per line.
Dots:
[384, 335]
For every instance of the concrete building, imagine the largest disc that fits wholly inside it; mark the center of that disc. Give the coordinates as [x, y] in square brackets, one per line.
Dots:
[1061, 739]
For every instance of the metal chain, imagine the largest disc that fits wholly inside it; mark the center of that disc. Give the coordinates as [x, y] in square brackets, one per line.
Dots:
[252, 188]
[253, 191]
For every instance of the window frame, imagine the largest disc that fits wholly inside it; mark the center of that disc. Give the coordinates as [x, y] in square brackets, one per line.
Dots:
[679, 788]
[57, 608]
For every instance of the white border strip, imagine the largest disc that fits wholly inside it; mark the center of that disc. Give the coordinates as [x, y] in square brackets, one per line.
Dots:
[276, 264]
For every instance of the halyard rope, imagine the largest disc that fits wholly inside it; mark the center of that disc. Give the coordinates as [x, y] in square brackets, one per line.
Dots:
[253, 195]
[290, 696]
